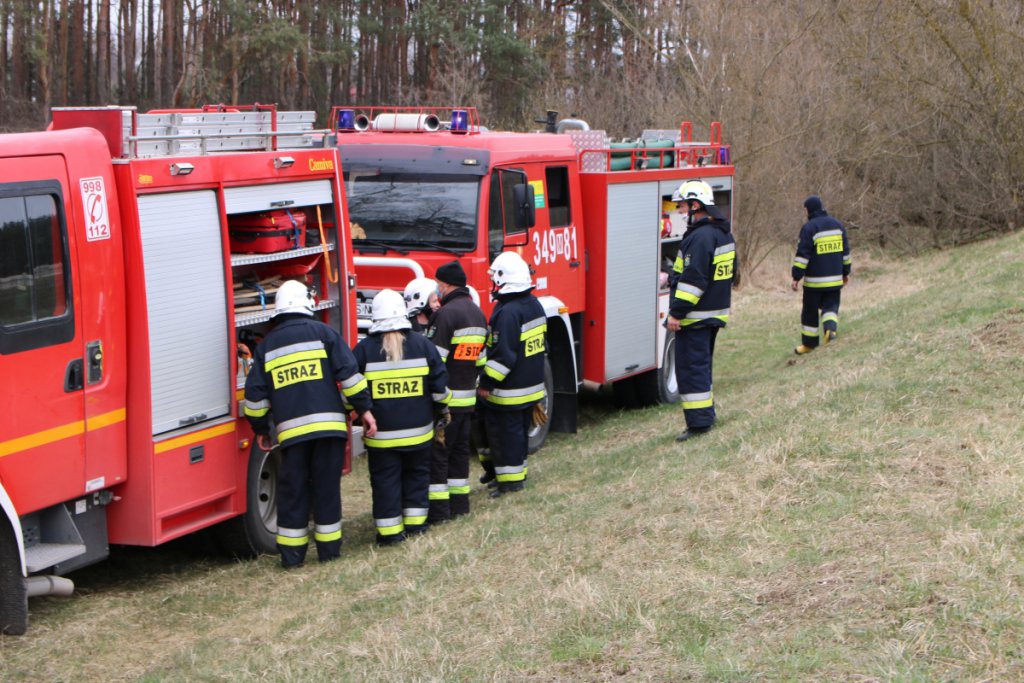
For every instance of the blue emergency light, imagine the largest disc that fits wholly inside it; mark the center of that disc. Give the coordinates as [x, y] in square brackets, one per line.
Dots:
[723, 156]
[460, 121]
[346, 119]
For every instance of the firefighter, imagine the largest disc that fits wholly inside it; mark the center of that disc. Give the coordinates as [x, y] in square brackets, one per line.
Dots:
[512, 382]
[459, 330]
[408, 384]
[702, 291]
[294, 381]
[420, 302]
[823, 262]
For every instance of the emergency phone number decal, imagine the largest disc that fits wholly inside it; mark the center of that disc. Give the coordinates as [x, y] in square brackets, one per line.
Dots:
[94, 201]
[554, 244]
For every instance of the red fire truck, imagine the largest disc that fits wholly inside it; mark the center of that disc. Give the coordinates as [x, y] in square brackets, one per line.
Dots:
[592, 217]
[139, 253]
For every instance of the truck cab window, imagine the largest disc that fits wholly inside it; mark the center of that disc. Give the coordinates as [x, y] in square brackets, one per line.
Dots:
[501, 220]
[557, 180]
[33, 277]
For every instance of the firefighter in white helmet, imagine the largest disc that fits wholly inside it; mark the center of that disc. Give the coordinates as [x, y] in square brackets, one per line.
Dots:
[512, 382]
[420, 302]
[294, 381]
[409, 385]
[701, 285]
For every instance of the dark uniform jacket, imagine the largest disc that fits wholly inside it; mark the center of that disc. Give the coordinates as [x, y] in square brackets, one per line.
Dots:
[459, 330]
[294, 380]
[514, 372]
[823, 253]
[404, 392]
[702, 276]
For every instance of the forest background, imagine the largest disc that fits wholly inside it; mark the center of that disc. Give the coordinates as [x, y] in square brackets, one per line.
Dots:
[906, 117]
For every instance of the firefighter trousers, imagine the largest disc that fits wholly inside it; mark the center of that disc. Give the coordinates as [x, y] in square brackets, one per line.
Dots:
[695, 349]
[508, 432]
[819, 306]
[399, 480]
[449, 470]
[310, 470]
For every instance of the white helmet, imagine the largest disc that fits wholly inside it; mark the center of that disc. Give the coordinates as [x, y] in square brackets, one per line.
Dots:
[417, 295]
[694, 189]
[388, 312]
[473, 295]
[510, 273]
[293, 297]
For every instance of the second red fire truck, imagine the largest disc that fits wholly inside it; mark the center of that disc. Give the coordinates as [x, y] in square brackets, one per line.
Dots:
[592, 217]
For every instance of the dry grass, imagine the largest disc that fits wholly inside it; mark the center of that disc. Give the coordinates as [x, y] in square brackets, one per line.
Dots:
[856, 517]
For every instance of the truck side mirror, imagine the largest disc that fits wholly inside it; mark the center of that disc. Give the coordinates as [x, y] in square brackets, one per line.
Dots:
[525, 212]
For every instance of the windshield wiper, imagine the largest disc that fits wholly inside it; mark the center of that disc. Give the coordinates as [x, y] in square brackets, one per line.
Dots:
[438, 247]
[364, 242]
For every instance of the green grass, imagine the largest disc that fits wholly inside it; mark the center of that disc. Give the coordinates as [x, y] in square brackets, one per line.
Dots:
[856, 516]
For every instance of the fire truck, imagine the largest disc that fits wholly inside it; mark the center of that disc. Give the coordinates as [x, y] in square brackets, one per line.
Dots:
[139, 253]
[593, 218]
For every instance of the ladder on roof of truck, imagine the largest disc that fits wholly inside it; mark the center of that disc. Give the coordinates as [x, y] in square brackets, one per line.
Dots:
[210, 129]
[653, 150]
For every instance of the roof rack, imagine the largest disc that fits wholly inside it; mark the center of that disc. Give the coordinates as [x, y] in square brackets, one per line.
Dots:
[194, 132]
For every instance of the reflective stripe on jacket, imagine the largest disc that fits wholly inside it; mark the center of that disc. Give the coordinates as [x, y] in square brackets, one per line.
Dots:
[404, 392]
[516, 348]
[701, 282]
[294, 380]
[822, 253]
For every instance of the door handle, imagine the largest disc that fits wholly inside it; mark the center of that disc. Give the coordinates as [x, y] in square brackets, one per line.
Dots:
[73, 376]
[94, 354]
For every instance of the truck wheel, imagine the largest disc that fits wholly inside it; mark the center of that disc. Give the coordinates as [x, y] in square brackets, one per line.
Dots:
[254, 532]
[668, 386]
[538, 435]
[13, 593]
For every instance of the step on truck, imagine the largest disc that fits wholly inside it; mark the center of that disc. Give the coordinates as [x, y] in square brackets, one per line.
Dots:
[591, 216]
[139, 254]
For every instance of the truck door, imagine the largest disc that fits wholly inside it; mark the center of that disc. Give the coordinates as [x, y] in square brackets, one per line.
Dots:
[42, 353]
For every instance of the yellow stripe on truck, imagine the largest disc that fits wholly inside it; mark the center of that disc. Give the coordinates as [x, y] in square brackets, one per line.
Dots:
[47, 436]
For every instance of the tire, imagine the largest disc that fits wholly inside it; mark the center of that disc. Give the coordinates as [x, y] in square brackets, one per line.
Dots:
[668, 386]
[254, 532]
[653, 387]
[538, 435]
[13, 591]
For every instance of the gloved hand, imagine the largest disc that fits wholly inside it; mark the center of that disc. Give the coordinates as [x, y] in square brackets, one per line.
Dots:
[540, 415]
[442, 418]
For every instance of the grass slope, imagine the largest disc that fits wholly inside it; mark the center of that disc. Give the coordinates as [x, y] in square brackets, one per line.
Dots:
[857, 516]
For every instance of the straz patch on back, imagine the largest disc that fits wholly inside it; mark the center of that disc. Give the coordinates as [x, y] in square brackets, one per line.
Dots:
[293, 373]
[396, 388]
[829, 245]
[534, 345]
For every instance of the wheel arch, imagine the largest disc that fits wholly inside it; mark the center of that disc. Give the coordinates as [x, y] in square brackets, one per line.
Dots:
[562, 342]
[10, 515]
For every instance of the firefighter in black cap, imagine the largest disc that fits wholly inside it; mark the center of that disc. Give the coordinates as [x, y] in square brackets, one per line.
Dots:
[459, 330]
[823, 262]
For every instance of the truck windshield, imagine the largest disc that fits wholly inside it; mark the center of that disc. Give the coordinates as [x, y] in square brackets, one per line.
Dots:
[417, 211]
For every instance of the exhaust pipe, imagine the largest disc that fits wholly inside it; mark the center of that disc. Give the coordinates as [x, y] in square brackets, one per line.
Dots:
[49, 585]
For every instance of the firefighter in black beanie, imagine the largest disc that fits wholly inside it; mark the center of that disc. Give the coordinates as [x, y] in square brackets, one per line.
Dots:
[459, 330]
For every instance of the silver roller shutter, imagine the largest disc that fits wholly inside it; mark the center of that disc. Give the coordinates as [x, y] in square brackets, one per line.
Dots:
[189, 345]
[631, 282]
[278, 195]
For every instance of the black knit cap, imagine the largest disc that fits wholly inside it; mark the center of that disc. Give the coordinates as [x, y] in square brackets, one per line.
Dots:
[813, 204]
[451, 273]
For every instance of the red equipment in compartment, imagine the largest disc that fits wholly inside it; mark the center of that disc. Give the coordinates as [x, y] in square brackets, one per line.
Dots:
[263, 233]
